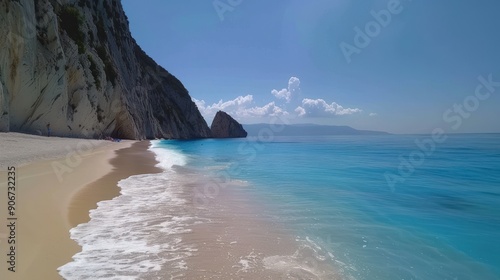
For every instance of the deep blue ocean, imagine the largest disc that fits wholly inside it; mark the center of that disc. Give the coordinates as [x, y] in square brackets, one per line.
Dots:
[378, 207]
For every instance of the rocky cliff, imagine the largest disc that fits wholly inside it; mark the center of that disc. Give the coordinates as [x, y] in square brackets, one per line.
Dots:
[75, 65]
[224, 126]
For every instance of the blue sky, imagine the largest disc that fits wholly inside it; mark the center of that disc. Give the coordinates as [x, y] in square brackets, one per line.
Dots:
[414, 68]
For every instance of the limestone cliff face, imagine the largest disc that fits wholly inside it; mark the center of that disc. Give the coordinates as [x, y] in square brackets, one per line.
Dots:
[224, 126]
[75, 65]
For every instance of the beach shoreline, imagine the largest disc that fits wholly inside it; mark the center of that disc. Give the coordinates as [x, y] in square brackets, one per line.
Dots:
[134, 160]
[58, 180]
[228, 237]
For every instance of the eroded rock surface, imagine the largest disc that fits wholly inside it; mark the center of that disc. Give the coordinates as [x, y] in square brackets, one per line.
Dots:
[224, 126]
[75, 65]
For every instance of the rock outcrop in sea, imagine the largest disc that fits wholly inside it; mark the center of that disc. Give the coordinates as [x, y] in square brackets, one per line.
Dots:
[224, 126]
[73, 64]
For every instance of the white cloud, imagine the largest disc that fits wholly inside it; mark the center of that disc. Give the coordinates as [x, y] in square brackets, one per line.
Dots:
[319, 108]
[270, 109]
[300, 111]
[200, 104]
[282, 94]
[239, 108]
[288, 93]
[373, 114]
[227, 106]
[243, 108]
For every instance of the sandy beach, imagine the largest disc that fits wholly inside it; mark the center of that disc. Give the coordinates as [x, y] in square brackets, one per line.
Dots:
[55, 192]
[57, 182]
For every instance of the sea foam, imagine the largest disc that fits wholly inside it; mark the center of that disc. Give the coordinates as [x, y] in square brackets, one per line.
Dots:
[138, 233]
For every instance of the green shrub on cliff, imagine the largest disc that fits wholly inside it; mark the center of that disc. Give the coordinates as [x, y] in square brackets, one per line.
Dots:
[71, 21]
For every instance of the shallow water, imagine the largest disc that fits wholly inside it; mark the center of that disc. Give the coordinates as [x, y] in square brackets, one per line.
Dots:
[326, 199]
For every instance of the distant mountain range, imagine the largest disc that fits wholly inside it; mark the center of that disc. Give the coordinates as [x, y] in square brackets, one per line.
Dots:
[308, 130]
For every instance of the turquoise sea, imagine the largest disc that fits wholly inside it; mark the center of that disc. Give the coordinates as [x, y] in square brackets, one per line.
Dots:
[372, 207]
[440, 222]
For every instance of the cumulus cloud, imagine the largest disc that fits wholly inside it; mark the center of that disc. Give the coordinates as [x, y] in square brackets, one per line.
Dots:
[270, 109]
[288, 93]
[300, 111]
[320, 108]
[228, 106]
[243, 108]
[282, 94]
[239, 107]
[373, 114]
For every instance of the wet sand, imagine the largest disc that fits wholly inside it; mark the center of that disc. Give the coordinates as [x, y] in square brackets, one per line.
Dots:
[239, 238]
[127, 162]
[234, 238]
[48, 205]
